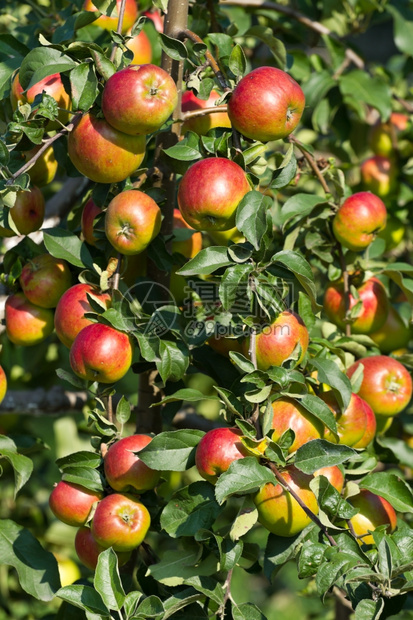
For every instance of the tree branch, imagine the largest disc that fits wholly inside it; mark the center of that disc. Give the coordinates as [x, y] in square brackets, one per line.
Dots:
[192, 36]
[119, 28]
[312, 163]
[41, 402]
[346, 287]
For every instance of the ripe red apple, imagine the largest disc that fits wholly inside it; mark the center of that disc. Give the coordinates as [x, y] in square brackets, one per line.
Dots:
[288, 413]
[102, 153]
[101, 353]
[44, 169]
[216, 451]
[111, 22]
[372, 427]
[69, 317]
[52, 85]
[88, 549]
[90, 211]
[26, 324]
[383, 136]
[3, 384]
[28, 211]
[44, 279]
[72, 503]
[351, 423]
[277, 342]
[156, 18]
[202, 124]
[278, 511]
[374, 311]
[124, 470]
[133, 220]
[334, 475]
[379, 175]
[358, 220]
[374, 511]
[394, 334]
[266, 104]
[210, 192]
[141, 48]
[121, 522]
[386, 385]
[139, 99]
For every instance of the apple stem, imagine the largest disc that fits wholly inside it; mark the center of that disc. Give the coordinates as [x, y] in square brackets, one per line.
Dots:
[119, 28]
[312, 163]
[346, 287]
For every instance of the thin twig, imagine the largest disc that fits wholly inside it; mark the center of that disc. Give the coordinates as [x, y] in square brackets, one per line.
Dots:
[192, 36]
[227, 594]
[115, 287]
[203, 112]
[312, 163]
[119, 28]
[406, 104]
[346, 287]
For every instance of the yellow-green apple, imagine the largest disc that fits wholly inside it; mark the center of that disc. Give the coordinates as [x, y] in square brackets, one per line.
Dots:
[351, 423]
[133, 220]
[141, 48]
[224, 345]
[69, 317]
[373, 312]
[26, 324]
[374, 511]
[88, 550]
[110, 22]
[393, 233]
[124, 470]
[139, 99]
[102, 153]
[358, 220]
[121, 522]
[72, 503]
[334, 475]
[386, 384]
[28, 211]
[277, 342]
[90, 211]
[52, 85]
[68, 571]
[379, 175]
[216, 451]
[266, 104]
[394, 334]
[383, 136]
[372, 427]
[210, 192]
[289, 414]
[278, 511]
[188, 247]
[3, 384]
[44, 279]
[223, 237]
[45, 167]
[202, 124]
[101, 353]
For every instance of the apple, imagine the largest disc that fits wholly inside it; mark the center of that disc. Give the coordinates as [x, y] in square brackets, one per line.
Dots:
[372, 427]
[28, 211]
[69, 317]
[141, 48]
[3, 384]
[121, 522]
[111, 22]
[52, 85]
[102, 153]
[88, 549]
[358, 220]
[224, 237]
[374, 511]
[289, 414]
[278, 511]
[383, 136]
[224, 345]
[202, 124]
[216, 451]
[72, 503]
[351, 423]
[68, 571]
[44, 169]
[101, 353]
[156, 18]
[374, 310]
[266, 104]
[44, 279]
[139, 99]
[124, 470]
[386, 385]
[90, 211]
[379, 175]
[133, 220]
[277, 342]
[210, 192]
[393, 234]
[26, 324]
[334, 475]
[394, 334]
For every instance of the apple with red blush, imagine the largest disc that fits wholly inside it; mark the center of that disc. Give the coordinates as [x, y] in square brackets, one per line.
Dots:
[358, 220]
[44, 279]
[124, 471]
[120, 521]
[72, 503]
[26, 323]
[216, 451]
[202, 124]
[373, 511]
[288, 413]
[88, 550]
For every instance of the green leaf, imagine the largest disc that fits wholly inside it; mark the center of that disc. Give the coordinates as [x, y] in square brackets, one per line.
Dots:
[173, 47]
[311, 556]
[403, 27]
[188, 394]
[251, 217]
[237, 61]
[329, 572]
[279, 550]
[206, 261]
[183, 152]
[85, 476]
[107, 580]
[151, 607]
[22, 465]
[172, 450]
[123, 410]
[104, 66]
[36, 568]
[84, 86]
[369, 610]
[84, 597]
[247, 611]
[180, 600]
[362, 87]
[63, 244]
[233, 284]
[183, 566]
[330, 500]
[245, 519]
[244, 476]
[320, 410]
[392, 488]
[401, 451]
[12, 53]
[299, 205]
[83, 458]
[321, 453]
[317, 87]
[208, 586]
[330, 373]
[4, 154]
[41, 62]
[266, 35]
[131, 602]
[190, 509]
[283, 176]
[173, 361]
[65, 375]
[298, 265]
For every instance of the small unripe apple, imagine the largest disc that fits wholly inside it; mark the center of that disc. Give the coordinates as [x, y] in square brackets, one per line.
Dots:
[224, 345]
[334, 475]
[52, 85]
[289, 414]
[28, 211]
[141, 48]
[121, 522]
[358, 220]
[44, 169]
[90, 211]
[26, 324]
[88, 550]
[223, 237]
[202, 124]
[124, 470]
[101, 353]
[394, 334]
[216, 451]
[383, 136]
[68, 571]
[374, 511]
[44, 279]
[110, 22]
[352, 422]
[394, 233]
[3, 384]
[379, 175]
[72, 503]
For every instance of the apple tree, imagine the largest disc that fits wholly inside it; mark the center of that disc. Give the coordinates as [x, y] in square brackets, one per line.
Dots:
[206, 355]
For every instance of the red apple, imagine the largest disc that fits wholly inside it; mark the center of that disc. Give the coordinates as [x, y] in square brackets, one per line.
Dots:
[351, 423]
[372, 428]
[379, 175]
[101, 353]
[88, 549]
[69, 317]
[156, 18]
[210, 192]
[334, 475]
[124, 470]
[121, 522]
[3, 384]
[141, 48]
[28, 211]
[90, 211]
[358, 220]
[44, 169]
[26, 324]
[102, 153]
[289, 414]
[202, 124]
[133, 220]
[374, 311]
[278, 511]
[111, 22]
[266, 104]
[217, 450]
[386, 385]
[44, 279]
[72, 503]
[374, 511]
[394, 334]
[52, 85]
